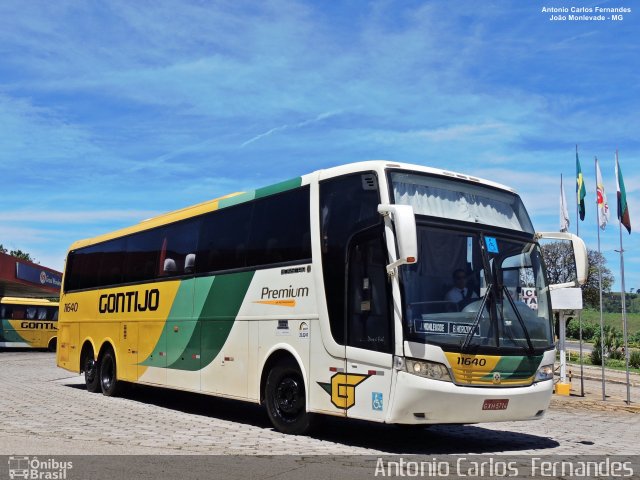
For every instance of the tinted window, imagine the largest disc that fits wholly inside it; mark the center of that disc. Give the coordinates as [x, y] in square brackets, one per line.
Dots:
[83, 267]
[143, 253]
[112, 258]
[280, 230]
[223, 240]
[144, 256]
[270, 230]
[348, 205]
[369, 324]
[178, 252]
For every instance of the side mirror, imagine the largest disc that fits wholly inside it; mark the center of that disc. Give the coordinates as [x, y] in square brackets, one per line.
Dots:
[579, 253]
[405, 229]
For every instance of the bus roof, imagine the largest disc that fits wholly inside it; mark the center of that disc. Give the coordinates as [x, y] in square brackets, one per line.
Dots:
[240, 197]
[41, 302]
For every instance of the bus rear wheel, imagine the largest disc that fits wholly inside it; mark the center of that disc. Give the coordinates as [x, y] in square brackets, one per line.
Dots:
[91, 374]
[52, 344]
[111, 386]
[286, 400]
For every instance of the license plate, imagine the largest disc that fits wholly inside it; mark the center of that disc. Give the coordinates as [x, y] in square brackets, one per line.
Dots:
[495, 404]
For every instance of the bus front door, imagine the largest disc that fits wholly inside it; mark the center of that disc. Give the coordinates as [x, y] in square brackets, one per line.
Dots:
[369, 330]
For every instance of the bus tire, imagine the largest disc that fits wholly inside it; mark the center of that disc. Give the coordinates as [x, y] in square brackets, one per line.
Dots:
[109, 383]
[286, 400]
[91, 374]
[52, 344]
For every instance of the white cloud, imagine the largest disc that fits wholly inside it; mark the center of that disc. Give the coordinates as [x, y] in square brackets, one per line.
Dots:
[281, 128]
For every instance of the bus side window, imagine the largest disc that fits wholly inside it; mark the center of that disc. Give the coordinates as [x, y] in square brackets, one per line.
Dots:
[143, 251]
[181, 241]
[222, 236]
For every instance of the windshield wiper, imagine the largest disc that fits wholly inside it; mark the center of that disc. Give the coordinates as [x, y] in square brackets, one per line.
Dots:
[520, 319]
[474, 325]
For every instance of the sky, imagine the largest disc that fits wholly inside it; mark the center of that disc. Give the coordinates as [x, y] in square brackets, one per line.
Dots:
[112, 112]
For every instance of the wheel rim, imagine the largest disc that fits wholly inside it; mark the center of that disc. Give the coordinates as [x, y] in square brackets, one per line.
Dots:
[288, 399]
[107, 372]
[90, 370]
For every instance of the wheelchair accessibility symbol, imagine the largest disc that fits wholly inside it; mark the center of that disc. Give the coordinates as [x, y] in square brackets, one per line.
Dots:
[376, 401]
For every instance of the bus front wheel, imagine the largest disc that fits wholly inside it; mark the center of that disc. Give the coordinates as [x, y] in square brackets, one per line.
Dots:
[111, 386]
[286, 400]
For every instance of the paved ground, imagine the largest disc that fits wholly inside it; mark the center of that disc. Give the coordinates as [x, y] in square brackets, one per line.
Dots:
[45, 410]
[574, 346]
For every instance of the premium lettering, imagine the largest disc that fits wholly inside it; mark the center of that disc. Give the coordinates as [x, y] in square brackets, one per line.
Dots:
[290, 292]
[127, 302]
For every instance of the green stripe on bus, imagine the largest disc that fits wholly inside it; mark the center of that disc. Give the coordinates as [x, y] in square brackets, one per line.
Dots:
[518, 367]
[279, 187]
[9, 334]
[235, 200]
[173, 343]
[219, 311]
[181, 315]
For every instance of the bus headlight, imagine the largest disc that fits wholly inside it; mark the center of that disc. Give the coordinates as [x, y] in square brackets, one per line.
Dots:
[544, 373]
[432, 370]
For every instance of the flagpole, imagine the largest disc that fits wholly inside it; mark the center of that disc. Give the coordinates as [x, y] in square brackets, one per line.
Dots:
[579, 311]
[604, 397]
[622, 294]
[624, 317]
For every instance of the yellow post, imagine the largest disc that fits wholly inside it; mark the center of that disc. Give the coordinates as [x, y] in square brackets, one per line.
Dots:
[563, 389]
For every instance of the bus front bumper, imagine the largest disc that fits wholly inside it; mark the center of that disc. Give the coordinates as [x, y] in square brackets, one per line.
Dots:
[421, 400]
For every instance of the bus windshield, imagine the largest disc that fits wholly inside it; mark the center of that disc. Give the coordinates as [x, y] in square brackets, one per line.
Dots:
[458, 200]
[476, 291]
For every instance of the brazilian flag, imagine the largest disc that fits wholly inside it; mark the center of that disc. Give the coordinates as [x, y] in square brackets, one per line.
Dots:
[581, 190]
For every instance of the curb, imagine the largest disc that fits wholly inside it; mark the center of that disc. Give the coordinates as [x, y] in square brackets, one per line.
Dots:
[614, 405]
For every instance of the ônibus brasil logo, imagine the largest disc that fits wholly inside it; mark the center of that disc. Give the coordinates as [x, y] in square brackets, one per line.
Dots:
[34, 468]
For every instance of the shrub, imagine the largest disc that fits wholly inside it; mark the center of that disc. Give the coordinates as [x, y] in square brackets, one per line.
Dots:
[612, 345]
[615, 363]
[596, 357]
[588, 329]
[634, 358]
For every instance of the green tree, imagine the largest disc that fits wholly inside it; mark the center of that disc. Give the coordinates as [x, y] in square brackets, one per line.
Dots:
[590, 292]
[558, 259]
[18, 254]
[22, 255]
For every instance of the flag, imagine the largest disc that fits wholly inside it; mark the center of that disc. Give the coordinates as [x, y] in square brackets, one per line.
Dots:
[601, 198]
[581, 190]
[564, 213]
[623, 209]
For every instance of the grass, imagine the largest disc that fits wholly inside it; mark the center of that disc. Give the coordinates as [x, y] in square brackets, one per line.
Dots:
[574, 357]
[613, 319]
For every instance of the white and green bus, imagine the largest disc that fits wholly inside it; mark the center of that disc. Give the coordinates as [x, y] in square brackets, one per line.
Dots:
[379, 291]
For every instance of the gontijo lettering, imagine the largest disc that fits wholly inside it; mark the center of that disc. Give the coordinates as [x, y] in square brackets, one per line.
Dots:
[39, 325]
[129, 301]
